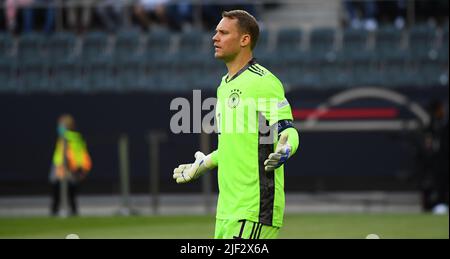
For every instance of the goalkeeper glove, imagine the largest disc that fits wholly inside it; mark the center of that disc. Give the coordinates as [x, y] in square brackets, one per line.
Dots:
[188, 172]
[280, 156]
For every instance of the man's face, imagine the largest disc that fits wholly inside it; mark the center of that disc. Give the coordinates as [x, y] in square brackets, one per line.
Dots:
[227, 40]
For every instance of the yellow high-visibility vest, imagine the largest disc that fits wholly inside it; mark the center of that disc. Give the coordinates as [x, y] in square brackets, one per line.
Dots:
[77, 155]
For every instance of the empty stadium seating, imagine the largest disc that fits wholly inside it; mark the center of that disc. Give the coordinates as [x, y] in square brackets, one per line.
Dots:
[161, 61]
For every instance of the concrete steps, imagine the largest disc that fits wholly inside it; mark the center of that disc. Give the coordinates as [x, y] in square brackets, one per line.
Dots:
[306, 14]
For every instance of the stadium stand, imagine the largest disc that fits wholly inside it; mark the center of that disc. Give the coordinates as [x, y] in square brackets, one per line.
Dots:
[42, 61]
[130, 59]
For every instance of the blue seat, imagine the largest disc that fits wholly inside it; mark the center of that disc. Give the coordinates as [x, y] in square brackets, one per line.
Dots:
[366, 73]
[422, 41]
[6, 43]
[100, 75]
[393, 74]
[442, 50]
[262, 44]
[67, 76]
[61, 45]
[157, 45]
[270, 58]
[304, 73]
[7, 75]
[387, 42]
[135, 75]
[31, 47]
[192, 41]
[33, 76]
[126, 45]
[321, 44]
[445, 36]
[354, 43]
[210, 75]
[170, 83]
[288, 40]
[335, 75]
[94, 46]
[435, 73]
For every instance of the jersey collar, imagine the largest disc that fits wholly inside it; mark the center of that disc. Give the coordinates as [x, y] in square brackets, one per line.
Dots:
[250, 63]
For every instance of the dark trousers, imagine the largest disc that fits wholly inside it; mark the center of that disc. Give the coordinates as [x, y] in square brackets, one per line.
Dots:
[56, 199]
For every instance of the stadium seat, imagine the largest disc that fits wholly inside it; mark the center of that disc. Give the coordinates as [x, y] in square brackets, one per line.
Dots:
[60, 46]
[387, 42]
[94, 46]
[423, 64]
[159, 41]
[268, 56]
[305, 73]
[6, 43]
[191, 46]
[170, 83]
[7, 63]
[334, 75]
[31, 47]
[393, 74]
[262, 44]
[126, 45]
[33, 76]
[128, 74]
[445, 35]
[157, 45]
[354, 43]
[434, 73]
[272, 58]
[422, 42]
[192, 41]
[288, 40]
[100, 75]
[366, 73]
[7, 75]
[442, 50]
[210, 75]
[135, 75]
[67, 76]
[321, 44]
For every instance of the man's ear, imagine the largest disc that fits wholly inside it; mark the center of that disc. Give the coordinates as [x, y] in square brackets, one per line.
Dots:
[245, 40]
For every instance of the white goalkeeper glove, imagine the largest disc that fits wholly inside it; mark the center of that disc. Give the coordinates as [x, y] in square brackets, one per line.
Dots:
[188, 172]
[280, 156]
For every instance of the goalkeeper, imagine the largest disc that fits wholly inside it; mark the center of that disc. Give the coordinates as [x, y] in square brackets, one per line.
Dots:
[250, 170]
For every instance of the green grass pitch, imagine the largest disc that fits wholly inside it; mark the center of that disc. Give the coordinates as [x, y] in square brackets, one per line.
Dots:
[196, 227]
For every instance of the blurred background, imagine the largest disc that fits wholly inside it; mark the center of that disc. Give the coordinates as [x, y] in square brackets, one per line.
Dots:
[367, 82]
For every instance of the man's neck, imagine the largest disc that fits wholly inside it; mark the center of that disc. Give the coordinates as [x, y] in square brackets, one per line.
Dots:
[237, 63]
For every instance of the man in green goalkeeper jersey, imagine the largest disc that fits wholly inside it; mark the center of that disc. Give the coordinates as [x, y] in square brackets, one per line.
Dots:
[256, 137]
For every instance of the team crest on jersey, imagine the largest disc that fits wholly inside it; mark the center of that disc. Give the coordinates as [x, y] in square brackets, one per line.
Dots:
[234, 98]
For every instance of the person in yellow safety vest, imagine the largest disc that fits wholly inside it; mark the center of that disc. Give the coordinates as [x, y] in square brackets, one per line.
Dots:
[71, 162]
